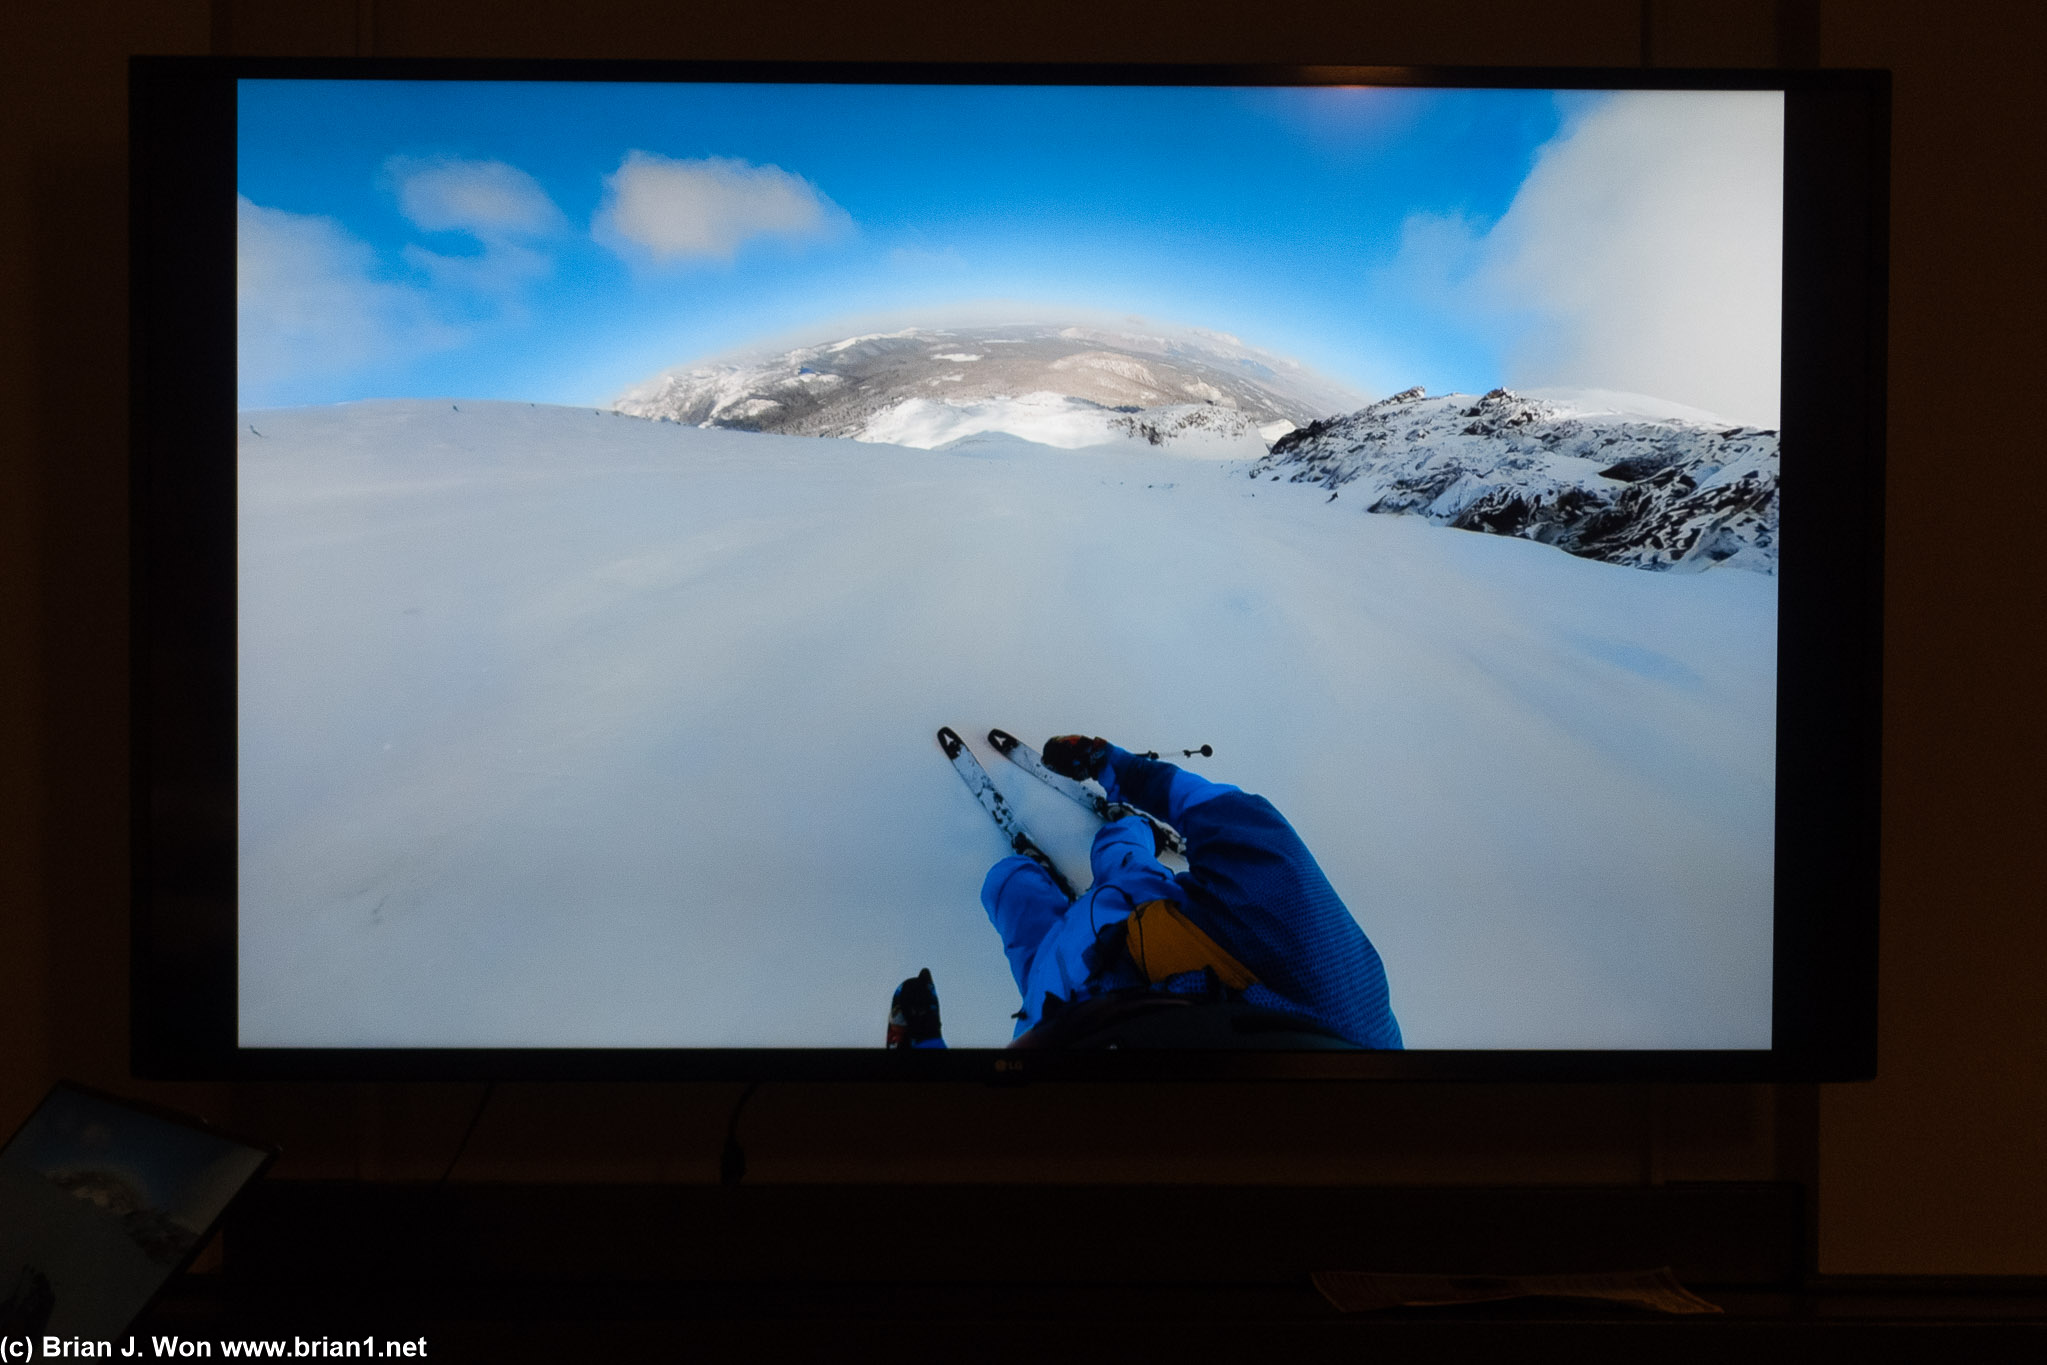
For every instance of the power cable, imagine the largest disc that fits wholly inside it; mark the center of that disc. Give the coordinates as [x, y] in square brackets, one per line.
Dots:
[490, 1088]
[732, 1161]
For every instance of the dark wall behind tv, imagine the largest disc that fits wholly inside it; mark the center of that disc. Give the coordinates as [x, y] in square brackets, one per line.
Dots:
[1934, 1168]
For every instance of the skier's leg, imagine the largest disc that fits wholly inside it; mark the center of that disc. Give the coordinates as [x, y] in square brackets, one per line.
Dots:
[1025, 906]
[1124, 855]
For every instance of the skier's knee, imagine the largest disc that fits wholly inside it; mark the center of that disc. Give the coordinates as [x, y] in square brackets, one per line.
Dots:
[1121, 842]
[1001, 883]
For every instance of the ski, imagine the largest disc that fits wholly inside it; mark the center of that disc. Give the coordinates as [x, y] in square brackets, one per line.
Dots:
[983, 787]
[1027, 758]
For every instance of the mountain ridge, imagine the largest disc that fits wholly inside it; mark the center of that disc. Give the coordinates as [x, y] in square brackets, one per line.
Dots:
[1065, 385]
[1624, 479]
[1650, 493]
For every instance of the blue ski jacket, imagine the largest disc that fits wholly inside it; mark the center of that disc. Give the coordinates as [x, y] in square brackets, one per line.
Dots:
[1253, 887]
[1053, 946]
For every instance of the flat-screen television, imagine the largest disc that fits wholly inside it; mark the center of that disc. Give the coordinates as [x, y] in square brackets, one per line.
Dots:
[863, 571]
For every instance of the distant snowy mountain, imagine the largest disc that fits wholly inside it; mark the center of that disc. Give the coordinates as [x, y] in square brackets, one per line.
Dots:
[1068, 386]
[1607, 476]
[1584, 474]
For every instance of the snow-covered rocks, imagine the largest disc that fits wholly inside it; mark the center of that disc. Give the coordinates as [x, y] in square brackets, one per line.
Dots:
[1650, 492]
[1067, 386]
[1189, 426]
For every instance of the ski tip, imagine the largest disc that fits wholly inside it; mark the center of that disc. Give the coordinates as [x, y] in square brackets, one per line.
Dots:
[1002, 740]
[950, 742]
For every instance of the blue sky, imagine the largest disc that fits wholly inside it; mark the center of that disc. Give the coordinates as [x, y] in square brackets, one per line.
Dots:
[559, 242]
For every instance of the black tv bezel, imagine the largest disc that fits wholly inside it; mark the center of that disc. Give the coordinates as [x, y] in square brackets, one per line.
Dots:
[183, 634]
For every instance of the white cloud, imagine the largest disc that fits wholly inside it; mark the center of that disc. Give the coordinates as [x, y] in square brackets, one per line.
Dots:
[501, 206]
[309, 303]
[502, 269]
[315, 302]
[676, 210]
[1643, 253]
[487, 199]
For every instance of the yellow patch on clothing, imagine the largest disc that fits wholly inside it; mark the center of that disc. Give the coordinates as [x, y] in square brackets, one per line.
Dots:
[1164, 942]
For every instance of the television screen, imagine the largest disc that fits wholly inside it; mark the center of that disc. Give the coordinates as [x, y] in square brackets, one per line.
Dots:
[969, 563]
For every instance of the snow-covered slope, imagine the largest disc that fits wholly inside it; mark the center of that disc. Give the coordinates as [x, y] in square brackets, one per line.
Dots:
[562, 728]
[1588, 476]
[1068, 386]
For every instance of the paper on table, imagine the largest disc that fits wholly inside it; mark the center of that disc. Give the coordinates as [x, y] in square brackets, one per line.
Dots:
[1356, 1291]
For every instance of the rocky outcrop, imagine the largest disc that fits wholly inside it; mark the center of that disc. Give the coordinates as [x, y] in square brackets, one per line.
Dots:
[1651, 493]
